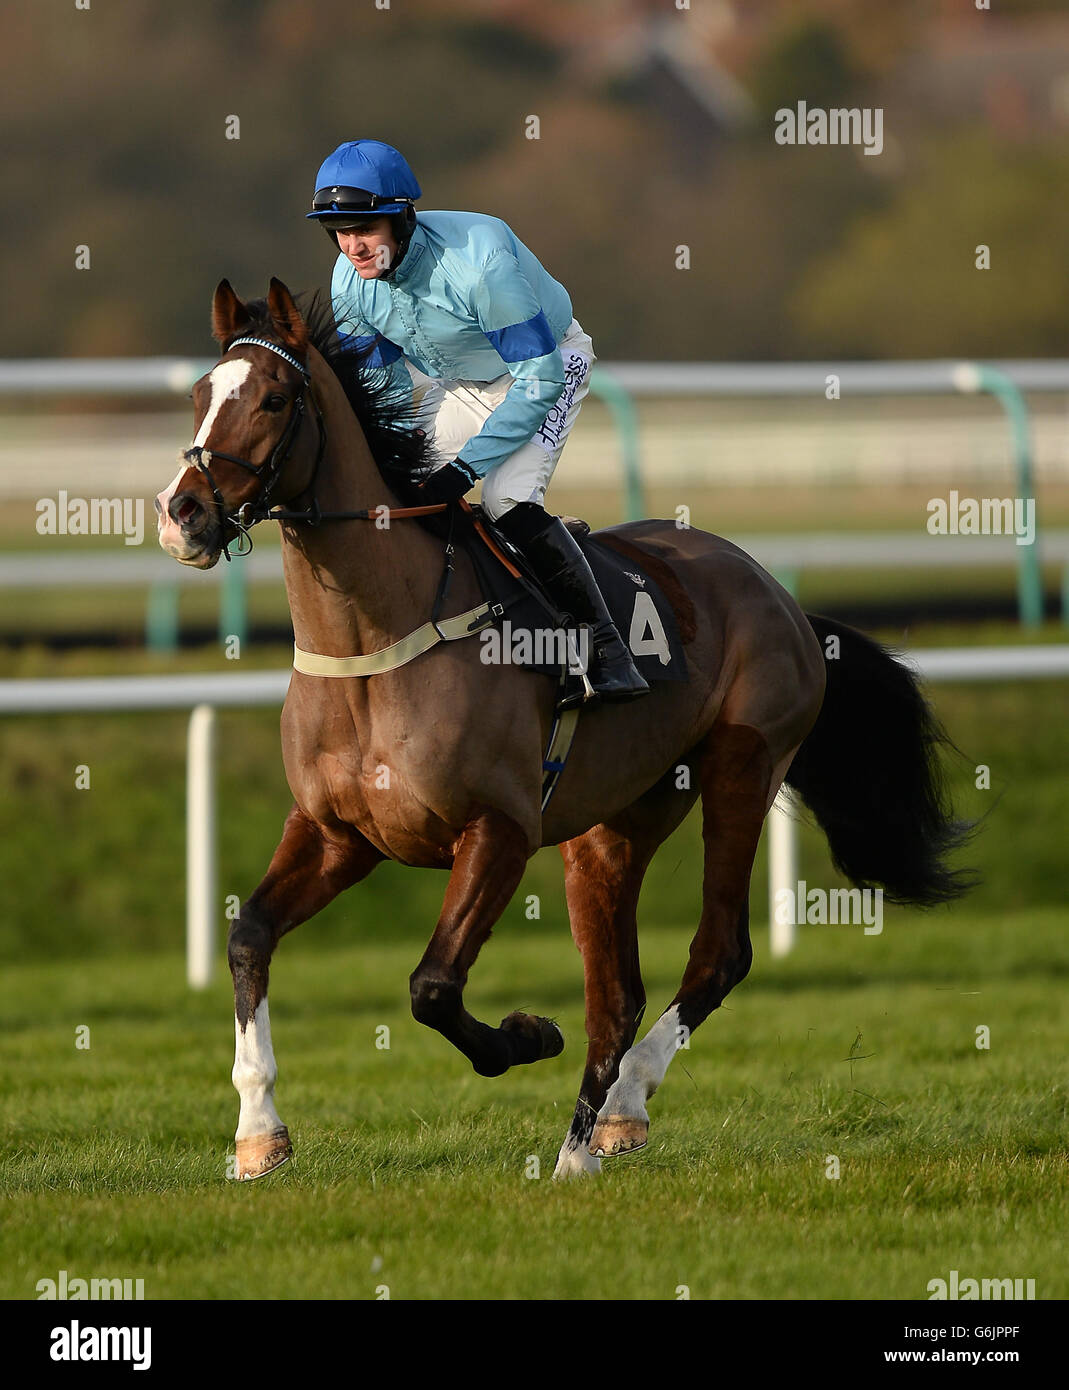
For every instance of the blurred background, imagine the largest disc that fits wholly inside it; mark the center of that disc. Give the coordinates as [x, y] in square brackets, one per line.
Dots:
[655, 129]
[656, 132]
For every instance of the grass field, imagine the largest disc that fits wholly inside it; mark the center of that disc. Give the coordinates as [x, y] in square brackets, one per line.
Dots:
[412, 1172]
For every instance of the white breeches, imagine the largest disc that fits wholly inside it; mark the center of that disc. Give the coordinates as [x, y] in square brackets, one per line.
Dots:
[451, 412]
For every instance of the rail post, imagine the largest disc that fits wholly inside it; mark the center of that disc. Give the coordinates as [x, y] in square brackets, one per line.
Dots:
[782, 877]
[971, 377]
[201, 865]
[622, 408]
[233, 606]
[161, 617]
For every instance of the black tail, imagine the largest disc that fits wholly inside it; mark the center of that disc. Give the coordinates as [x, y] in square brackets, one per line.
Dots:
[871, 772]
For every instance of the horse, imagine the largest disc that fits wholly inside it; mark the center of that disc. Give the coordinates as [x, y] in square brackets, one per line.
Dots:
[289, 425]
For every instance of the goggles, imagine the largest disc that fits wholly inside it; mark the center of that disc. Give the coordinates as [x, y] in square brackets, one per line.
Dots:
[352, 200]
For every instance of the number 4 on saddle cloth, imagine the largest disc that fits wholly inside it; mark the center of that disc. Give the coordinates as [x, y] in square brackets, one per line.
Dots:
[530, 631]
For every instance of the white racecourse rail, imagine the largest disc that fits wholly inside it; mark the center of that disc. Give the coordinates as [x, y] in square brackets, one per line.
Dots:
[204, 693]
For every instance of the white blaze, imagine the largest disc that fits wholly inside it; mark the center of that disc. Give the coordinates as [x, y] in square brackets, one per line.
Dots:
[226, 380]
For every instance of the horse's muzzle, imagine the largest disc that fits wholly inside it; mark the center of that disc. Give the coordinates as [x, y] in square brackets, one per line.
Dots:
[187, 531]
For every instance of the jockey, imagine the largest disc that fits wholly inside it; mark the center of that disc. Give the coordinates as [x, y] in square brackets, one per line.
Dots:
[481, 341]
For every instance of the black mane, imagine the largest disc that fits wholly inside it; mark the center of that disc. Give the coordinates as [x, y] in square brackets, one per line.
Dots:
[399, 451]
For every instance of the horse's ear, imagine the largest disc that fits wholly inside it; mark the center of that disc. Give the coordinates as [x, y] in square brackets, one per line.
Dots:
[229, 315]
[287, 317]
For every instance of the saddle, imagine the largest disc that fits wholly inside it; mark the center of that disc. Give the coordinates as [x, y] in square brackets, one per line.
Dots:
[529, 630]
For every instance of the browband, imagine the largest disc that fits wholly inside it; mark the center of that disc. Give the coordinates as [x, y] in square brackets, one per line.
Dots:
[263, 342]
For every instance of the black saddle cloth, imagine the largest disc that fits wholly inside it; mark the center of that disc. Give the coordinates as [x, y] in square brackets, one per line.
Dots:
[643, 616]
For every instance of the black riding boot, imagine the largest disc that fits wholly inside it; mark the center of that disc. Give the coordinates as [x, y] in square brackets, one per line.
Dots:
[562, 567]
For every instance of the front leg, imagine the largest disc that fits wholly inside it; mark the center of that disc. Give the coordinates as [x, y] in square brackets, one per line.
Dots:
[307, 871]
[489, 863]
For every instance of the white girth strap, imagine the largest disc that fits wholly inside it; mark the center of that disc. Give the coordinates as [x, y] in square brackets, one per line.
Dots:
[389, 658]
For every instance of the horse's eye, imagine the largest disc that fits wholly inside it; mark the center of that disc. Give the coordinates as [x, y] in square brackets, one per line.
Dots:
[275, 402]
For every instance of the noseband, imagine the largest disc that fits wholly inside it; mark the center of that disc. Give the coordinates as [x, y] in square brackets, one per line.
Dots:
[249, 513]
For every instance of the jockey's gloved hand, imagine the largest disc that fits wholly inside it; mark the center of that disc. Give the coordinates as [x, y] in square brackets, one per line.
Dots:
[447, 483]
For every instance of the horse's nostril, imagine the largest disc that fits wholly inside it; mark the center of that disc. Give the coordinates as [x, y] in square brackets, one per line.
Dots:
[185, 509]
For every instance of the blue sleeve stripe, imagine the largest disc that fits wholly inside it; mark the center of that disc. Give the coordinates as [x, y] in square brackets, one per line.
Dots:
[382, 353]
[521, 341]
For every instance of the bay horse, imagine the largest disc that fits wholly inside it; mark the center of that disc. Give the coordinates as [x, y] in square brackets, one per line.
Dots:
[287, 422]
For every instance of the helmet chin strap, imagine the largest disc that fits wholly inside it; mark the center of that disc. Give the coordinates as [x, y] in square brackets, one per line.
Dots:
[402, 247]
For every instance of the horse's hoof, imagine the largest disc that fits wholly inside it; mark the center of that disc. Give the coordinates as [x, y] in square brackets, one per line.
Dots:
[543, 1032]
[575, 1163]
[263, 1153]
[618, 1134]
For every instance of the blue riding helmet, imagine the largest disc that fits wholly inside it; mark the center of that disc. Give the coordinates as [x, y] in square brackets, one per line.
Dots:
[363, 178]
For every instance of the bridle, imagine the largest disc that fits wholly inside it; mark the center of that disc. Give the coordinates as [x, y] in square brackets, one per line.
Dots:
[249, 513]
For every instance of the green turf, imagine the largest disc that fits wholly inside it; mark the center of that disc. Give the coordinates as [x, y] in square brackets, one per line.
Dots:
[412, 1172]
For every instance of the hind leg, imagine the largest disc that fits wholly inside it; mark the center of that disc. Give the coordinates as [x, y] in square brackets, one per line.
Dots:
[603, 876]
[489, 863]
[736, 775]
